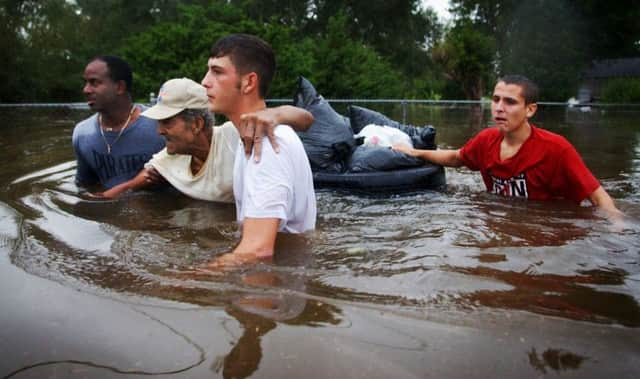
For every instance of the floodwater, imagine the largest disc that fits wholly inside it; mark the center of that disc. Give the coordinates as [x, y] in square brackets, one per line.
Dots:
[430, 284]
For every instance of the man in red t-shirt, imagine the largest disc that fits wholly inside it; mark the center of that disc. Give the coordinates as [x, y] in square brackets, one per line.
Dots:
[518, 159]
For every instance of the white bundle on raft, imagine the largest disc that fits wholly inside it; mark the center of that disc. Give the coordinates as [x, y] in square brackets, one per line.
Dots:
[383, 136]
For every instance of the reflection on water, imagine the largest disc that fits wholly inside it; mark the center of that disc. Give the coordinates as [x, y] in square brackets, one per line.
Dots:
[257, 314]
[455, 257]
[555, 359]
[244, 359]
[557, 295]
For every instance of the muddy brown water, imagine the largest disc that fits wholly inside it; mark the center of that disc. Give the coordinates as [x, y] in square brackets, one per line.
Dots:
[448, 283]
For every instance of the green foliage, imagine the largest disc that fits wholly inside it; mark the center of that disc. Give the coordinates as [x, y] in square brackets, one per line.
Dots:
[622, 90]
[348, 48]
[490, 17]
[180, 48]
[612, 27]
[37, 62]
[173, 49]
[338, 66]
[396, 29]
[467, 57]
[345, 68]
[552, 41]
[546, 44]
[294, 13]
[109, 22]
[294, 57]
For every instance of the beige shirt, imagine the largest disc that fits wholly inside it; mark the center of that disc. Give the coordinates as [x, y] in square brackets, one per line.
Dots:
[214, 181]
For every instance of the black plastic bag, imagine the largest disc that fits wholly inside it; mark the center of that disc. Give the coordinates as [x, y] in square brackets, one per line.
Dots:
[329, 140]
[377, 158]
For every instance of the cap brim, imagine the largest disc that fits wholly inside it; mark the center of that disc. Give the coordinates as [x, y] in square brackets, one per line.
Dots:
[161, 112]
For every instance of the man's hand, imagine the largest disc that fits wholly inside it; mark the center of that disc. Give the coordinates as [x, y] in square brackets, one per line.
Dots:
[403, 148]
[229, 261]
[253, 127]
[145, 178]
[601, 199]
[94, 195]
[108, 194]
[153, 177]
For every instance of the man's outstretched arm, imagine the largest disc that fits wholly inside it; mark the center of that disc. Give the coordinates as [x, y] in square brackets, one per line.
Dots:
[258, 237]
[257, 243]
[146, 178]
[448, 158]
[601, 199]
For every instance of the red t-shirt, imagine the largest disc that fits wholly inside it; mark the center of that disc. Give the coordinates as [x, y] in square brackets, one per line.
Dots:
[546, 167]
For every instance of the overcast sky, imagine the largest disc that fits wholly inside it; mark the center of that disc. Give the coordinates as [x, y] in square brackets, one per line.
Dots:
[440, 6]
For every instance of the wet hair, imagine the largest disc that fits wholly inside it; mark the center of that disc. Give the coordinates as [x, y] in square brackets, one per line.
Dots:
[189, 115]
[529, 88]
[248, 54]
[119, 69]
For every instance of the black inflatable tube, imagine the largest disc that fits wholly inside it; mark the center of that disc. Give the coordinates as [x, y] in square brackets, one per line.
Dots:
[429, 176]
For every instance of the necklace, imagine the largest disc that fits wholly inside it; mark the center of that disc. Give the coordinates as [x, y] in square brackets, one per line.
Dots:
[110, 129]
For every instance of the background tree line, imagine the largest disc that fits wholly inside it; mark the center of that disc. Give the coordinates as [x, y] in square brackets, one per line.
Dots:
[347, 48]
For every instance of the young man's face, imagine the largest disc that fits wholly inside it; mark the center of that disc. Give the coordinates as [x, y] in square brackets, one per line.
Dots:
[99, 90]
[178, 135]
[508, 107]
[223, 84]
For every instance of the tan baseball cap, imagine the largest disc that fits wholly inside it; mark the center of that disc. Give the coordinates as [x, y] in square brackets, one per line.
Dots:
[176, 95]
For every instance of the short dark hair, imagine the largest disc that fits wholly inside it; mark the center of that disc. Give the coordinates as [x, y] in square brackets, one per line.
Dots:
[529, 88]
[248, 54]
[119, 69]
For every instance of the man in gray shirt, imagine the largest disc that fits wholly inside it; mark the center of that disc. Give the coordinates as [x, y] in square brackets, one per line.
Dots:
[113, 145]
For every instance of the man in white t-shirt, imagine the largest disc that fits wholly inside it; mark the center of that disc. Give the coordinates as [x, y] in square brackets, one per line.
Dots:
[275, 194]
[198, 158]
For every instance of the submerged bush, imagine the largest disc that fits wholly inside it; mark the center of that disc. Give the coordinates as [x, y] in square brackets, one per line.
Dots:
[622, 90]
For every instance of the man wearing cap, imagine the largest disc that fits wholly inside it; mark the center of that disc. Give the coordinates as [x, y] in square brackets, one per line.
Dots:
[198, 158]
[113, 145]
[275, 194]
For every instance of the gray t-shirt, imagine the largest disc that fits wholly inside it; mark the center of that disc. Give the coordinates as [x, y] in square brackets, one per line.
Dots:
[137, 144]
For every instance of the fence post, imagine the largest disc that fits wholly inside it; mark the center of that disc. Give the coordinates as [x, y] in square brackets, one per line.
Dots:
[404, 111]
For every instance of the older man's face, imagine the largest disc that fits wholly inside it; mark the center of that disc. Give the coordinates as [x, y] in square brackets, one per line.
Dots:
[179, 135]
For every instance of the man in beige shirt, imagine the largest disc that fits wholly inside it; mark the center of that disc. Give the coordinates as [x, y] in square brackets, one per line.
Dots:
[198, 157]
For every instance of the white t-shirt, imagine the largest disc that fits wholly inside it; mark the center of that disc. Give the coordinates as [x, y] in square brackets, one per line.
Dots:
[279, 186]
[214, 181]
